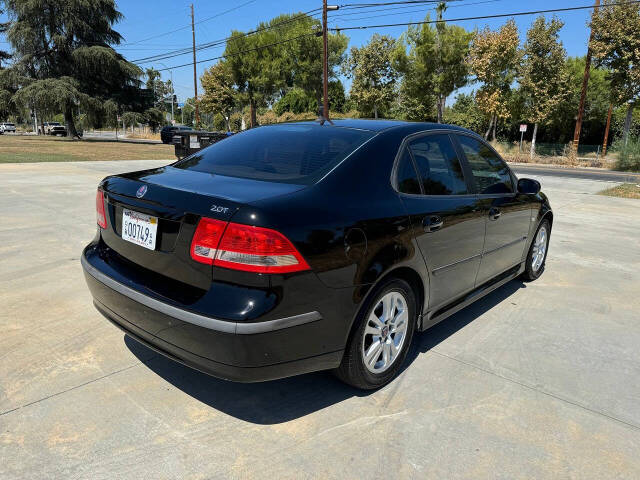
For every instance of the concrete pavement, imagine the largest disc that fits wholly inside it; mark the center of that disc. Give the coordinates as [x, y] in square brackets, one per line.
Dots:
[536, 380]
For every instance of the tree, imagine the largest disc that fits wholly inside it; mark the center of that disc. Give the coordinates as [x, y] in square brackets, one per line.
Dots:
[219, 95]
[466, 113]
[616, 46]
[4, 26]
[154, 117]
[494, 58]
[50, 96]
[303, 56]
[70, 38]
[159, 89]
[374, 76]
[595, 109]
[543, 78]
[434, 67]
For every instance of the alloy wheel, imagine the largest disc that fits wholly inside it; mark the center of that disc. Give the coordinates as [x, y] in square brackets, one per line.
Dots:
[539, 249]
[385, 332]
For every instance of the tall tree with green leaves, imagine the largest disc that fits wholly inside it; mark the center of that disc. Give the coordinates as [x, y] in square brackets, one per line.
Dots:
[435, 64]
[161, 90]
[373, 73]
[303, 56]
[616, 46]
[256, 66]
[494, 59]
[219, 95]
[70, 41]
[543, 77]
[4, 26]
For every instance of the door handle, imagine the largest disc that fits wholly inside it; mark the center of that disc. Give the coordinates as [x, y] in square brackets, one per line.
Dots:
[432, 223]
[494, 213]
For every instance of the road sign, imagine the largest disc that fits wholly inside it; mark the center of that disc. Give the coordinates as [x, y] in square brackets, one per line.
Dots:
[523, 128]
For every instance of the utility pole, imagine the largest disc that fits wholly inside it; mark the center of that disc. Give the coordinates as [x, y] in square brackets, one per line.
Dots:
[585, 83]
[606, 132]
[195, 75]
[325, 59]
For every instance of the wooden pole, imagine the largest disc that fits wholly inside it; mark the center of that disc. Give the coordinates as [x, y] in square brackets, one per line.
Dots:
[325, 63]
[195, 75]
[583, 94]
[606, 132]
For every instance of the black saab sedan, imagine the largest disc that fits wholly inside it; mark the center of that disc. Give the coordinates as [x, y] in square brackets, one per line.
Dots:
[299, 247]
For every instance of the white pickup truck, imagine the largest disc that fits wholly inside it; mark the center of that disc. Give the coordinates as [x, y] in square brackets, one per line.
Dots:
[6, 127]
[54, 128]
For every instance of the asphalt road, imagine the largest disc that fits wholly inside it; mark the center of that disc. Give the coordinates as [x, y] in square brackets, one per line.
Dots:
[584, 173]
[537, 380]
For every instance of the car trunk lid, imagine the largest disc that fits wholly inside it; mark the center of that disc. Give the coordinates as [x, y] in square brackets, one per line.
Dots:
[177, 199]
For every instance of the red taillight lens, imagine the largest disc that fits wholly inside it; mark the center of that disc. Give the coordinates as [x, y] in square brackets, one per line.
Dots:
[206, 239]
[257, 249]
[100, 213]
[243, 247]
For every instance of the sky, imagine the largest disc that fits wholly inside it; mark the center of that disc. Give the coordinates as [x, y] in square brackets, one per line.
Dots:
[146, 23]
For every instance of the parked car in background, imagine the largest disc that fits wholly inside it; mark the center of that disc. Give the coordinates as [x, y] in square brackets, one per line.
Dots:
[54, 128]
[166, 134]
[298, 247]
[7, 127]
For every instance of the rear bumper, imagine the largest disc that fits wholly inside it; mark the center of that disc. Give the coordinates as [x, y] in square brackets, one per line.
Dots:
[238, 351]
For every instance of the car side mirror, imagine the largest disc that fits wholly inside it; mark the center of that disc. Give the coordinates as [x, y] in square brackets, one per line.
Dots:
[529, 186]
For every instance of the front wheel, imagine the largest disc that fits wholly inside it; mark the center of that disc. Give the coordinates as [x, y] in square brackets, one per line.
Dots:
[383, 332]
[537, 256]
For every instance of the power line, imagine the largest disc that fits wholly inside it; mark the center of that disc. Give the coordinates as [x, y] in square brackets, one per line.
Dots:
[222, 41]
[373, 5]
[515, 14]
[404, 10]
[234, 54]
[196, 23]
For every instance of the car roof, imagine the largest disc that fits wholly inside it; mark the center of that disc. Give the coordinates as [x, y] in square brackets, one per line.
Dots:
[382, 125]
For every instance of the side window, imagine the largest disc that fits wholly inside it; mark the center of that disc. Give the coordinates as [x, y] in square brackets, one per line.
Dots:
[490, 173]
[438, 165]
[407, 178]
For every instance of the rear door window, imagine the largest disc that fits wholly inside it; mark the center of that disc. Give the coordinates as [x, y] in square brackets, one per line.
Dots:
[438, 165]
[490, 173]
[282, 153]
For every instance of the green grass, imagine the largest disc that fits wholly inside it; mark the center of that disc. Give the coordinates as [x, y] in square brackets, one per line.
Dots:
[32, 148]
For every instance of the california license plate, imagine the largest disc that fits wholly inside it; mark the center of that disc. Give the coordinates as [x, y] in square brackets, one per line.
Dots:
[139, 228]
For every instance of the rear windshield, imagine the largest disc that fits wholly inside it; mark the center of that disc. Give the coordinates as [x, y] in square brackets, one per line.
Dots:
[282, 153]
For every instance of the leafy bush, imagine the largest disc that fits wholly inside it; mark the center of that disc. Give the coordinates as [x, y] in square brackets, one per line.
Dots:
[628, 155]
[236, 121]
[295, 100]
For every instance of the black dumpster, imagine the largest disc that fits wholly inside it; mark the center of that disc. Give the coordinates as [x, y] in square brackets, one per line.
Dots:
[190, 141]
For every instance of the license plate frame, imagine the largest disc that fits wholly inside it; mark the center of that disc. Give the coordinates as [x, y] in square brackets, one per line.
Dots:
[139, 228]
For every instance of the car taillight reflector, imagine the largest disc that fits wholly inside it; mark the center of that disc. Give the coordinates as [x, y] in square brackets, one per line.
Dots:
[206, 239]
[100, 213]
[257, 249]
[244, 247]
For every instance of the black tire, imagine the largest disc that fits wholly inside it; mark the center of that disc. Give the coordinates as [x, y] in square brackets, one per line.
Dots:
[353, 370]
[530, 273]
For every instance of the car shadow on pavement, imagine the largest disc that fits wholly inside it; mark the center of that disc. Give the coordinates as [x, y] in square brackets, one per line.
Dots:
[279, 401]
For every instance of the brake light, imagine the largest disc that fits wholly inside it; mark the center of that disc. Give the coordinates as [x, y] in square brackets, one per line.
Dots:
[100, 213]
[244, 247]
[206, 239]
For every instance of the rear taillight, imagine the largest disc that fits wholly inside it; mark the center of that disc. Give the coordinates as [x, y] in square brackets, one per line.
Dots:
[243, 247]
[100, 213]
[206, 239]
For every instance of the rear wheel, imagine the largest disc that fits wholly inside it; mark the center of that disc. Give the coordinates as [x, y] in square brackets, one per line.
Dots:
[383, 332]
[537, 255]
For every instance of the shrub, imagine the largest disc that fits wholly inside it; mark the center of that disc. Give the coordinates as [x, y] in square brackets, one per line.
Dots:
[628, 155]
